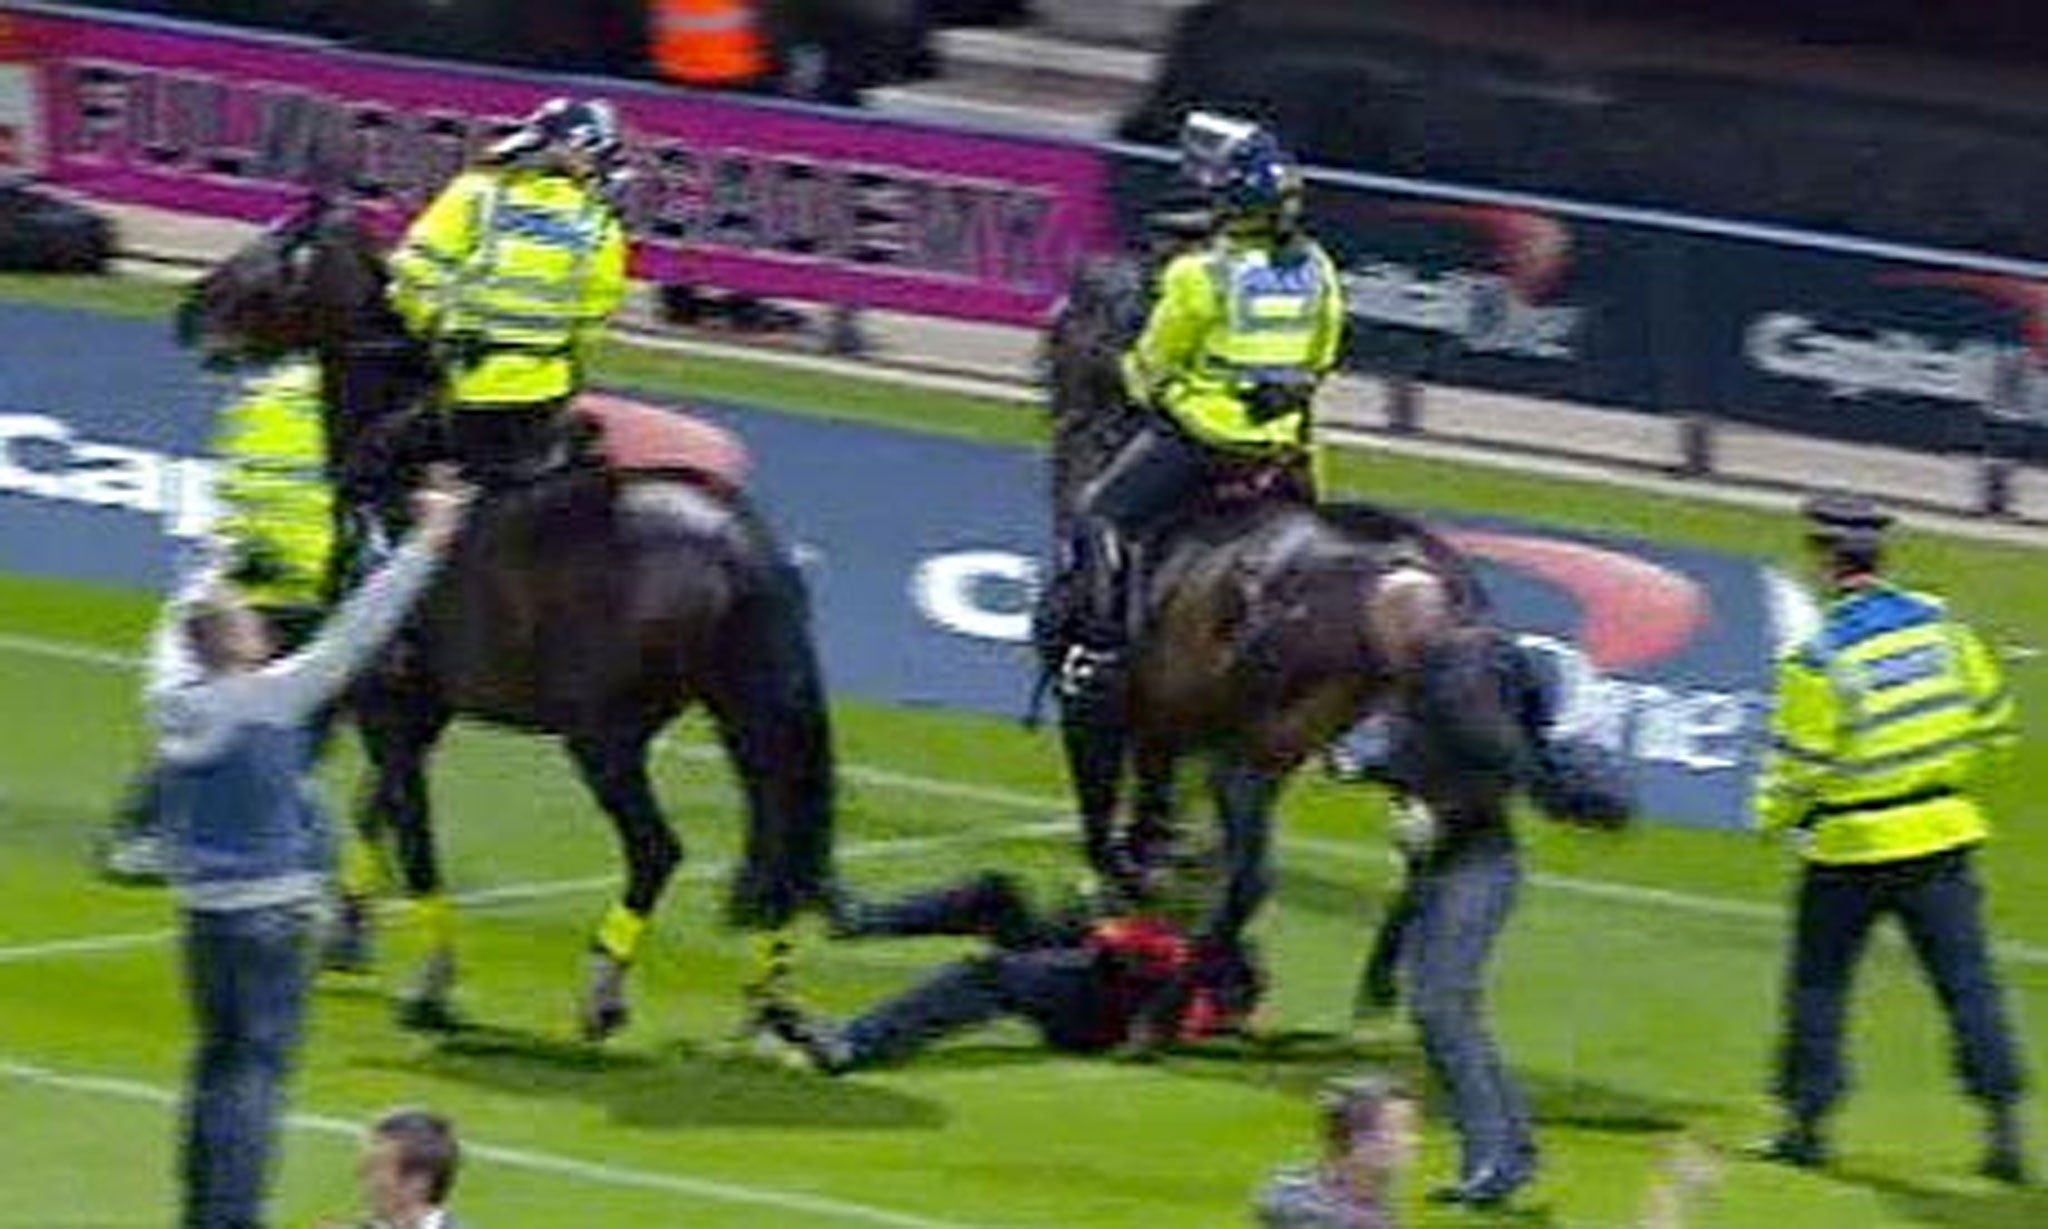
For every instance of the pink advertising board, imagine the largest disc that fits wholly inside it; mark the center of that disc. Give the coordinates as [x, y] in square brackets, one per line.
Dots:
[825, 205]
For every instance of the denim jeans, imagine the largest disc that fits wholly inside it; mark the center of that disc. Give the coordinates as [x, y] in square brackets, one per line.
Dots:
[1460, 907]
[247, 972]
[1059, 989]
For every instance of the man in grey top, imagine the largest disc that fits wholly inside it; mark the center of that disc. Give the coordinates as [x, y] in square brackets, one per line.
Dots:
[249, 847]
[1369, 1131]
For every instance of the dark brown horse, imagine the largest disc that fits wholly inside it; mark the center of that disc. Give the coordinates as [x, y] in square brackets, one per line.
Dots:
[590, 605]
[1267, 628]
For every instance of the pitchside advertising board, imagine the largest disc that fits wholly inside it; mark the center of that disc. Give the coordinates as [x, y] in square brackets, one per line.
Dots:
[775, 200]
[1825, 337]
[1662, 652]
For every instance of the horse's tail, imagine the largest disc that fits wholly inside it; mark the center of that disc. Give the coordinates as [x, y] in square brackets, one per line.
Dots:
[768, 697]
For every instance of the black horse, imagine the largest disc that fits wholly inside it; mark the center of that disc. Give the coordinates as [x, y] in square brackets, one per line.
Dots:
[1266, 628]
[590, 605]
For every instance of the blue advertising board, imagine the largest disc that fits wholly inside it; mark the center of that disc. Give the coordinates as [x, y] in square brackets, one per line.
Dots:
[923, 555]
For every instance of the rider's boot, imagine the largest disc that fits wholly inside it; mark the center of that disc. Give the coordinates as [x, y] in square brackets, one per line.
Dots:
[1092, 670]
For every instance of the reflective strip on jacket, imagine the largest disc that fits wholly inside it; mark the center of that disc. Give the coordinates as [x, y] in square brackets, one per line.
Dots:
[1229, 320]
[276, 501]
[1885, 722]
[515, 273]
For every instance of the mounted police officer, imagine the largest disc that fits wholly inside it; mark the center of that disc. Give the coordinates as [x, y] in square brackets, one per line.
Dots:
[510, 276]
[1244, 328]
[1886, 720]
[273, 540]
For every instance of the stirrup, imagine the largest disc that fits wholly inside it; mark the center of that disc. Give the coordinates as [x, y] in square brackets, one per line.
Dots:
[1088, 672]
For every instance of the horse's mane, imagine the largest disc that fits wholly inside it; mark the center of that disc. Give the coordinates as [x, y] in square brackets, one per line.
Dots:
[1102, 314]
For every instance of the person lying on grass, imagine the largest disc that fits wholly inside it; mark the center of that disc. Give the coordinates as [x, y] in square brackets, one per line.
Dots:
[1091, 979]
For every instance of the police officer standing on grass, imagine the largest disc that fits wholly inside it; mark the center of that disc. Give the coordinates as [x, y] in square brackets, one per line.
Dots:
[1886, 721]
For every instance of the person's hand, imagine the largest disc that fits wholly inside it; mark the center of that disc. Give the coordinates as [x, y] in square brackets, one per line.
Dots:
[440, 504]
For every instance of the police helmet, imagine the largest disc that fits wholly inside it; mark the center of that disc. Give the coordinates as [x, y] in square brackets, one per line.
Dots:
[587, 126]
[1240, 166]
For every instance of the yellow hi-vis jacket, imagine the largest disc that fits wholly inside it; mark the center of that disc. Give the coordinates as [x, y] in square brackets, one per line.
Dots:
[277, 507]
[513, 272]
[1229, 320]
[1886, 721]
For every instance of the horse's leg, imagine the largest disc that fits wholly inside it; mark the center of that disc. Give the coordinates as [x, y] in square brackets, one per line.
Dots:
[1153, 827]
[1095, 743]
[398, 734]
[768, 699]
[614, 766]
[1244, 803]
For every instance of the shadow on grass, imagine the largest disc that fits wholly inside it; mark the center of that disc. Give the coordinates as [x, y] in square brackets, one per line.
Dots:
[687, 1087]
[1299, 1062]
[1985, 1207]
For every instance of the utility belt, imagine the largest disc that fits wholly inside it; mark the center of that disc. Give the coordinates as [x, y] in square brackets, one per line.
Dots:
[1890, 802]
[473, 349]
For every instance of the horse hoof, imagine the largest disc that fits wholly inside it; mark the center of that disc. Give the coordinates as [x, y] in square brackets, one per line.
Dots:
[428, 1015]
[602, 1020]
[425, 1005]
[348, 947]
[604, 1005]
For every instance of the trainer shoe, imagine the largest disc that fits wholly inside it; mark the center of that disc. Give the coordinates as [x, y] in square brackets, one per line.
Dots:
[1799, 1146]
[817, 1044]
[1491, 1187]
[2004, 1156]
[134, 858]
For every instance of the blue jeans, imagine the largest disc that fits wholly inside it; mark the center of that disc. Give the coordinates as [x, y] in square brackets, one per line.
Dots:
[1460, 907]
[247, 972]
[1059, 989]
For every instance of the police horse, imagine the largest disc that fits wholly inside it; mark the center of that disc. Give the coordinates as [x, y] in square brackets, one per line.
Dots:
[593, 605]
[1264, 627]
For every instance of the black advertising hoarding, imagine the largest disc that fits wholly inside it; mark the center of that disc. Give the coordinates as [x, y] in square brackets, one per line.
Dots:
[1479, 293]
[1495, 295]
[1869, 348]
[1666, 314]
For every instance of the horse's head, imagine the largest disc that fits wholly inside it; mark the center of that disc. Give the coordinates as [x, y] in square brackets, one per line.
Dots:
[301, 286]
[1102, 314]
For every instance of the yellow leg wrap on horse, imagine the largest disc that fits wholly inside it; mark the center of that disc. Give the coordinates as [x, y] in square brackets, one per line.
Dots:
[436, 914]
[362, 871]
[774, 960]
[618, 936]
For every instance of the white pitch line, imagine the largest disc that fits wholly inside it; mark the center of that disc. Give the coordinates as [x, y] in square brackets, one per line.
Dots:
[597, 1173]
[523, 893]
[33, 646]
[1592, 889]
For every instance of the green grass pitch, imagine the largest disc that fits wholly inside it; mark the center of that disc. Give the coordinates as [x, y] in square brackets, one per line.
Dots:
[1636, 991]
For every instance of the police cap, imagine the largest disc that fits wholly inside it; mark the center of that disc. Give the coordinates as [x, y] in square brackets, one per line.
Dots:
[1849, 520]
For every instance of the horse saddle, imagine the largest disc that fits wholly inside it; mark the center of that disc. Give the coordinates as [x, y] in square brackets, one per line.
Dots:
[636, 439]
[1284, 536]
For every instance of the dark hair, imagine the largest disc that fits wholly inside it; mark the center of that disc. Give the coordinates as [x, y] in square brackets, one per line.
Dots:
[426, 1148]
[205, 625]
[1849, 554]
